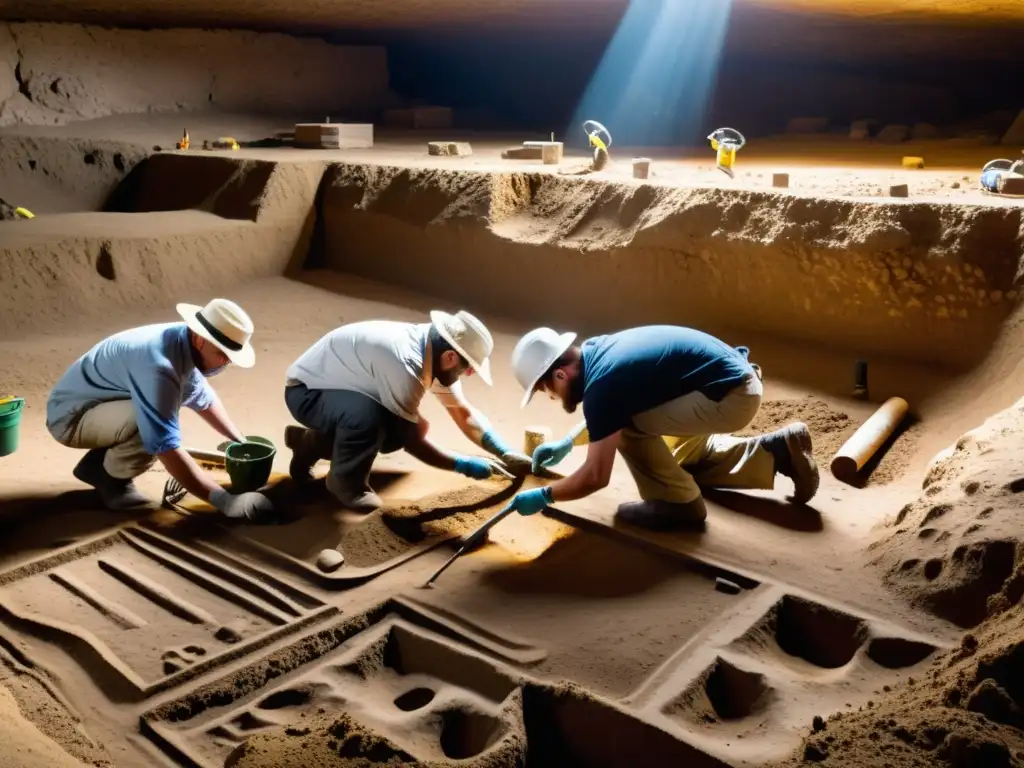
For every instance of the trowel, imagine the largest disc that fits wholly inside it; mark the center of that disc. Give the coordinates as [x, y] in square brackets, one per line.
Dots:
[470, 542]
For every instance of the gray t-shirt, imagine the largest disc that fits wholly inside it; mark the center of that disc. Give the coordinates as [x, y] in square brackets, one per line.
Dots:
[381, 359]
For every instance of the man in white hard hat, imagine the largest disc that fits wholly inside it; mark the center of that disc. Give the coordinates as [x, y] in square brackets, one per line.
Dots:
[667, 399]
[358, 392]
[121, 399]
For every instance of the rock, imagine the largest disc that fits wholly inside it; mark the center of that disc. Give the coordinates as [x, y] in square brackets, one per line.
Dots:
[329, 560]
[899, 190]
[893, 134]
[780, 180]
[807, 125]
[818, 723]
[522, 153]
[7, 212]
[863, 129]
[815, 753]
[1015, 134]
[449, 148]
[228, 634]
[992, 701]
[924, 131]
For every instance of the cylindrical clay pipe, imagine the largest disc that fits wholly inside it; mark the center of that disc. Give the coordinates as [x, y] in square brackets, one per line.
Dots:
[862, 445]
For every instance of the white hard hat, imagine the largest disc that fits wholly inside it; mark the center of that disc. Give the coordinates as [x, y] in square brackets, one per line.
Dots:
[535, 353]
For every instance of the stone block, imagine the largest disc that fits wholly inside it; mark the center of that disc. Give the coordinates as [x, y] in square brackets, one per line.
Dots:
[523, 153]
[893, 134]
[780, 180]
[333, 135]
[899, 190]
[449, 148]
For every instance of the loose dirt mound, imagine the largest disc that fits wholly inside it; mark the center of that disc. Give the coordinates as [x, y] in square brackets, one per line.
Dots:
[967, 712]
[956, 550]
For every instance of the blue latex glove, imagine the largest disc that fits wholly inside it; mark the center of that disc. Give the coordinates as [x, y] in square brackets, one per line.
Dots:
[531, 502]
[474, 467]
[551, 453]
[517, 463]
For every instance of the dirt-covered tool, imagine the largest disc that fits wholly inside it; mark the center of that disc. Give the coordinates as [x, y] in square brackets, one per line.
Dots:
[470, 542]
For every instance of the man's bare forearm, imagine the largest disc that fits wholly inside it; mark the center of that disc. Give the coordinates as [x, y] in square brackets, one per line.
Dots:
[430, 454]
[578, 485]
[217, 417]
[184, 469]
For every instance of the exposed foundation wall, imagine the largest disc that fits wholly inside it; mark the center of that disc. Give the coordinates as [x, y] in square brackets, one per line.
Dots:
[57, 73]
[924, 283]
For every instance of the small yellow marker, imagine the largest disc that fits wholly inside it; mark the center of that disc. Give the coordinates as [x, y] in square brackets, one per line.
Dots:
[913, 162]
[25, 213]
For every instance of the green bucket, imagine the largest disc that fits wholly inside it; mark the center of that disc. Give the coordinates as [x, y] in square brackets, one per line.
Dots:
[10, 420]
[249, 463]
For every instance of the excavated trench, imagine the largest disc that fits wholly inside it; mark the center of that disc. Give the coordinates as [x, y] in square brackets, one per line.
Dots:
[926, 291]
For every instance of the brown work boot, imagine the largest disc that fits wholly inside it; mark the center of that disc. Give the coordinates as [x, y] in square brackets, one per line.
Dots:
[304, 444]
[792, 449]
[361, 500]
[658, 515]
[118, 495]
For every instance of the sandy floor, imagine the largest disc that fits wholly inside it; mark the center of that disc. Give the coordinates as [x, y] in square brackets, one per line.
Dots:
[229, 641]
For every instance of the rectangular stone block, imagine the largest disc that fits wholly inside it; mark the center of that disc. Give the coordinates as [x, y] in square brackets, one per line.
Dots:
[333, 135]
[780, 180]
[899, 190]
[449, 148]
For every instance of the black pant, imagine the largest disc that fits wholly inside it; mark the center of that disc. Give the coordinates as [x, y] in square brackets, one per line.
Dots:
[351, 429]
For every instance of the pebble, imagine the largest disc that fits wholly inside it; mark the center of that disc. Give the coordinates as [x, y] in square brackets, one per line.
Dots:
[329, 560]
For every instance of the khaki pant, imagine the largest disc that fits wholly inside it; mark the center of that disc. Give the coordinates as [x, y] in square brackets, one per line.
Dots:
[112, 426]
[678, 448]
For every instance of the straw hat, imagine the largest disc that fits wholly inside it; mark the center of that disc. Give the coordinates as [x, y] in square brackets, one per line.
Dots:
[469, 337]
[225, 325]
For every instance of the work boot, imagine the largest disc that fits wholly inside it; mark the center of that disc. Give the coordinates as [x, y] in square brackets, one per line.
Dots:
[658, 515]
[791, 448]
[117, 494]
[362, 500]
[305, 447]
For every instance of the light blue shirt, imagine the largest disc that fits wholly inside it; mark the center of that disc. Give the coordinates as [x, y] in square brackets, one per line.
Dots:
[151, 366]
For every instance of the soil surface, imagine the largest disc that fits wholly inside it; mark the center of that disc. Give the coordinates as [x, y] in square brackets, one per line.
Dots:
[684, 644]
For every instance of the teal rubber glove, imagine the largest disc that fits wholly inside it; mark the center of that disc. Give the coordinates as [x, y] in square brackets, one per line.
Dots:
[531, 502]
[474, 467]
[551, 453]
[517, 463]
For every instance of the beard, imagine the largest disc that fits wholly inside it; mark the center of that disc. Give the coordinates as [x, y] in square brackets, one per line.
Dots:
[447, 378]
[574, 396]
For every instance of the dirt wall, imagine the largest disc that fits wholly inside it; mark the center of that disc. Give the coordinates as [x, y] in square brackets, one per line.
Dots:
[257, 221]
[57, 73]
[923, 282]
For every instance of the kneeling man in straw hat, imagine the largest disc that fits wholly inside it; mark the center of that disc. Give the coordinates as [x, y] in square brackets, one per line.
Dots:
[120, 400]
[358, 391]
[667, 399]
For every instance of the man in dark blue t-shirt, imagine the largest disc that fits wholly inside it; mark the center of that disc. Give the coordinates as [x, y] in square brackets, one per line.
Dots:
[667, 398]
